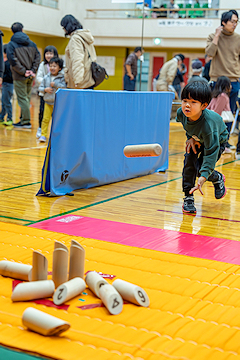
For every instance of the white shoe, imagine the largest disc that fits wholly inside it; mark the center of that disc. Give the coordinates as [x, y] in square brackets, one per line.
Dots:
[232, 147]
[227, 151]
[237, 156]
[38, 134]
[42, 139]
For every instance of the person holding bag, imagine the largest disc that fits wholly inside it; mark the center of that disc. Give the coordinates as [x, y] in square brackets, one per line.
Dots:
[220, 101]
[79, 54]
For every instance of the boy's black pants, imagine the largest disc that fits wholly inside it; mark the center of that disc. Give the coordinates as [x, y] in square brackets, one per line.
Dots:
[192, 165]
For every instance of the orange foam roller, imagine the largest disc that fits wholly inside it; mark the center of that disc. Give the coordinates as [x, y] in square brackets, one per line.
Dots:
[142, 150]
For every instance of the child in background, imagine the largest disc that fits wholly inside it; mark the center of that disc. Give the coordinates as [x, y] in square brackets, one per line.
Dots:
[49, 52]
[220, 100]
[51, 82]
[7, 91]
[206, 138]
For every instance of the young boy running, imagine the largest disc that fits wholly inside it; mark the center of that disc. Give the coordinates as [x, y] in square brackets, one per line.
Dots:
[206, 138]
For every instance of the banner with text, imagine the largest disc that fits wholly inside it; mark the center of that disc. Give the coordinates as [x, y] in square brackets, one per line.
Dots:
[185, 22]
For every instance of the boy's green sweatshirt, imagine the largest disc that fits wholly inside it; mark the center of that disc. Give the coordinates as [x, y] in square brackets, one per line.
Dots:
[210, 131]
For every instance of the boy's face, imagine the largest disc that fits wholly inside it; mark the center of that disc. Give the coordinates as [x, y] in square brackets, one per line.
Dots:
[54, 68]
[193, 109]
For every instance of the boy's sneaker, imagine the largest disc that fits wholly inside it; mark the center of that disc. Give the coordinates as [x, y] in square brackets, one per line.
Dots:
[38, 134]
[237, 155]
[220, 190]
[42, 139]
[22, 126]
[188, 205]
[9, 122]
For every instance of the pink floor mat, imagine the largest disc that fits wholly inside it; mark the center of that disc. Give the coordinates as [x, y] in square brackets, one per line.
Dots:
[169, 241]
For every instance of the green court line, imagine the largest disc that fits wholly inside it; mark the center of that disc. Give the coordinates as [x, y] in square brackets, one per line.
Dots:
[104, 201]
[20, 186]
[13, 218]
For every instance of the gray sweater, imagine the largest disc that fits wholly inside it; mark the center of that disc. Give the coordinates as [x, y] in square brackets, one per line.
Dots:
[59, 82]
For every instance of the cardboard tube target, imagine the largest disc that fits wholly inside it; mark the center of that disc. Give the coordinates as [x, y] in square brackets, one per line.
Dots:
[33, 290]
[60, 266]
[111, 299]
[131, 292]
[142, 150]
[59, 245]
[15, 270]
[43, 323]
[95, 281]
[39, 267]
[69, 290]
[77, 261]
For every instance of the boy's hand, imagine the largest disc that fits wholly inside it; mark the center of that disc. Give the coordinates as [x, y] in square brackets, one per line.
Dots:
[48, 90]
[52, 83]
[201, 181]
[191, 143]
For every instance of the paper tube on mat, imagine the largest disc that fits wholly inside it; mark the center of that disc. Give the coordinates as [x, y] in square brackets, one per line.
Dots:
[111, 299]
[15, 270]
[95, 281]
[43, 323]
[131, 292]
[33, 290]
[60, 266]
[77, 262]
[39, 267]
[69, 290]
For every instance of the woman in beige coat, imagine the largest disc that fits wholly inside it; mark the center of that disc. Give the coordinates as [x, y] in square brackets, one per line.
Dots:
[79, 54]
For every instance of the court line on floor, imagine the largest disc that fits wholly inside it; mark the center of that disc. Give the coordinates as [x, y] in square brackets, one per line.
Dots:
[106, 200]
[198, 216]
[29, 148]
[13, 218]
[20, 186]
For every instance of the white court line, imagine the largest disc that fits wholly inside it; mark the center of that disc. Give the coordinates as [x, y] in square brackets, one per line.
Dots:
[29, 148]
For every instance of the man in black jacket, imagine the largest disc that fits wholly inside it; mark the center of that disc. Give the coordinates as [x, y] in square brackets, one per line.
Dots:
[24, 58]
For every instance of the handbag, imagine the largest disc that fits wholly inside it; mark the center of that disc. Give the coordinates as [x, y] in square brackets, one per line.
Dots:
[99, 73]
[227, 116]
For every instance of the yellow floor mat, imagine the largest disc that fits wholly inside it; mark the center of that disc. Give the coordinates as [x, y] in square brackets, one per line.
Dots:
[194, 311]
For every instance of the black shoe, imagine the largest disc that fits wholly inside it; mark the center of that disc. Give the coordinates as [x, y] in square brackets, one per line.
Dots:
[19, 125]
[188, 205]
[220, 190]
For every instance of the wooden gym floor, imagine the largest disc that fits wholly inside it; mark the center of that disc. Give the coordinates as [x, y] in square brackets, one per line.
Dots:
[154, 200]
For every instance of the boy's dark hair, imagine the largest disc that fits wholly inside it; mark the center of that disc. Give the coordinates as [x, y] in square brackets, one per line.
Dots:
[5, 48]
[197, 90]
[227, 15]
[138, 48]
[58, 61]
[16, 27]
[223, 85]
[52, 49]
[70, 24]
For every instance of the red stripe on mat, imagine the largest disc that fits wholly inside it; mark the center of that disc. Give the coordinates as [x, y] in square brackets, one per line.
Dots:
[169, 241]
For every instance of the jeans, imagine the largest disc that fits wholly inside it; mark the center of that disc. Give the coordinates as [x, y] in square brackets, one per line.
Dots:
[129, 84]
[7, 93]
[23, 89]
[178, 90]
[192, 165]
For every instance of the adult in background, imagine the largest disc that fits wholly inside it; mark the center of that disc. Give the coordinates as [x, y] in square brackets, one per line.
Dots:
[206, 69]
[79, 54]
[224, 48]
[24, 59]
[130, 66]
[197, 67]
[1, 58]
[168, 72]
